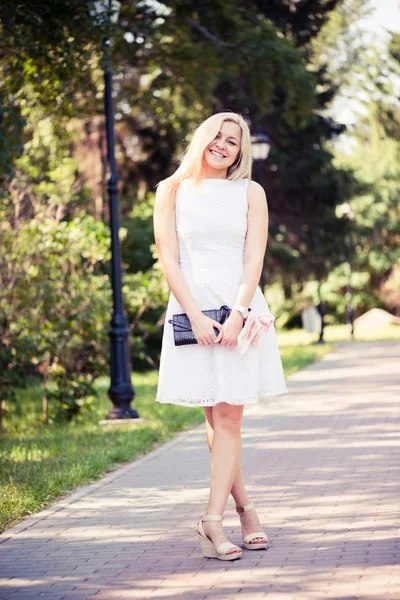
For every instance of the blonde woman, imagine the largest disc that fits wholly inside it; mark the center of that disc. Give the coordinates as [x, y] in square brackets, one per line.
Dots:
[211, 225]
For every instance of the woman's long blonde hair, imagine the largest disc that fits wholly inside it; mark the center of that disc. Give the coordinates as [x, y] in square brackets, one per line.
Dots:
[192, 161]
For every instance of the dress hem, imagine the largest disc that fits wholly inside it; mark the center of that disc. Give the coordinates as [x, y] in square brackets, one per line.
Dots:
[197, 403]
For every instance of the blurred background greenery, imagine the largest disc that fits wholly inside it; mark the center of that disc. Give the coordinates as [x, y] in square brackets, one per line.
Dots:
[333, 189]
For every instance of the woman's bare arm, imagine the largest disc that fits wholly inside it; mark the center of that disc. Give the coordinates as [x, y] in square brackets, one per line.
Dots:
[256, 243]
[168, 252]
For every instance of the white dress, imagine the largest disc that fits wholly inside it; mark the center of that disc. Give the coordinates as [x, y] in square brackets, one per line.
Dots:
[211, 225]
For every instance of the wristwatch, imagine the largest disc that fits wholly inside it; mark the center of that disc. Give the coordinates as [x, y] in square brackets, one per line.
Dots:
[242, 309]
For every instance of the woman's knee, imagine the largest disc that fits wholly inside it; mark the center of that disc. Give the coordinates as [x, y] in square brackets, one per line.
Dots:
[227, 417]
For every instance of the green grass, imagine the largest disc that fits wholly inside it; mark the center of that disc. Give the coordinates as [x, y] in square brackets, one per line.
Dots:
[41, 463]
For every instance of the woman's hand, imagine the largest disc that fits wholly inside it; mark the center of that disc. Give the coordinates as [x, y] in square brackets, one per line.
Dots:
[203, 329]
[230, 330]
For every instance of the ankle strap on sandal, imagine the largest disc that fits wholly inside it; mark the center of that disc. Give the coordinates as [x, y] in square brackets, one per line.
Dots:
[212, 518]
[241, 509]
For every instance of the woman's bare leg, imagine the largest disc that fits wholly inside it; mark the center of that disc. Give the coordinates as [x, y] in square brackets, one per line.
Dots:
[238, 489]
[249, 519]
[225, 459]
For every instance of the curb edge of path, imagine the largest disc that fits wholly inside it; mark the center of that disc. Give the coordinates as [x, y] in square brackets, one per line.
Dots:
[117, 472]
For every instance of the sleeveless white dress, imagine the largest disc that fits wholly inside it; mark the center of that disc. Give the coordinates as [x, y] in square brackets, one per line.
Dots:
[211, 225]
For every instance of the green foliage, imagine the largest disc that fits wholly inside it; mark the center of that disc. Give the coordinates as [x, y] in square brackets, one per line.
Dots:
[189, 49]
[374, 228]
[11, 132]
[181, 61]
[55, 304]
[144, 287]
[339, 46]
[146, 296]
[138, 236]
[49, 46]
[300, 21]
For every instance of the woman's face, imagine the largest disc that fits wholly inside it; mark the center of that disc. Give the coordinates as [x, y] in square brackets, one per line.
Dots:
[225, 148]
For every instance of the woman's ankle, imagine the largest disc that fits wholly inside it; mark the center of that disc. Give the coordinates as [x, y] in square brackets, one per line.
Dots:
[242, 502]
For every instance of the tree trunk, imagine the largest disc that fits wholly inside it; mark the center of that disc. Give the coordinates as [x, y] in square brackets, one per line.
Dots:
[3, 405]
[45, 408]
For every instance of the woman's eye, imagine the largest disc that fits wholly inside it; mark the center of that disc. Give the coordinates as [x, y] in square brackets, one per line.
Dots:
[232, 143]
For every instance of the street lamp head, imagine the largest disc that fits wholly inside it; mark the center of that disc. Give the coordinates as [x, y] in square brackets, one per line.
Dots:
[102, 11]
[260, 146]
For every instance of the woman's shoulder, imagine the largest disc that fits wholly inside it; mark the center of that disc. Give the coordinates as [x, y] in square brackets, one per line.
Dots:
[255, 194]
[164, 184]
[255, 187]
[171, 182]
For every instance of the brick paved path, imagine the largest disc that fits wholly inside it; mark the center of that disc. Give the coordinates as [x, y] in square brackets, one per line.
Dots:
[322, 465]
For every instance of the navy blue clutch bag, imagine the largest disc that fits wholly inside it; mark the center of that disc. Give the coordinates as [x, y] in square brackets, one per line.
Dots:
[183, 334]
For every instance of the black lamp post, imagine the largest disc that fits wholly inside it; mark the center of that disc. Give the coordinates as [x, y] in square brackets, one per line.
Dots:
[348, 215]
[321, 312]
[121, 391]
[260, 147]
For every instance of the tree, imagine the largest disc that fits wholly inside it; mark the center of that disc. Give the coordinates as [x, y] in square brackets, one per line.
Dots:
[47, 51]
[303, 185]
[253, 59]
[176, 63]
[371, 150]
[374, 228]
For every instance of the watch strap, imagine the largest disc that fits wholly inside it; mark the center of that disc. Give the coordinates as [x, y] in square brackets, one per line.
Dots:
[244, 311]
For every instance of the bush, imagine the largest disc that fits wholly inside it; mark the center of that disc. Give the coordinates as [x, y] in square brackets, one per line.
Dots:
[55, 305]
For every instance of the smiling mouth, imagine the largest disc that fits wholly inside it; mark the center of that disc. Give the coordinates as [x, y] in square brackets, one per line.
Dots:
[217, 154]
